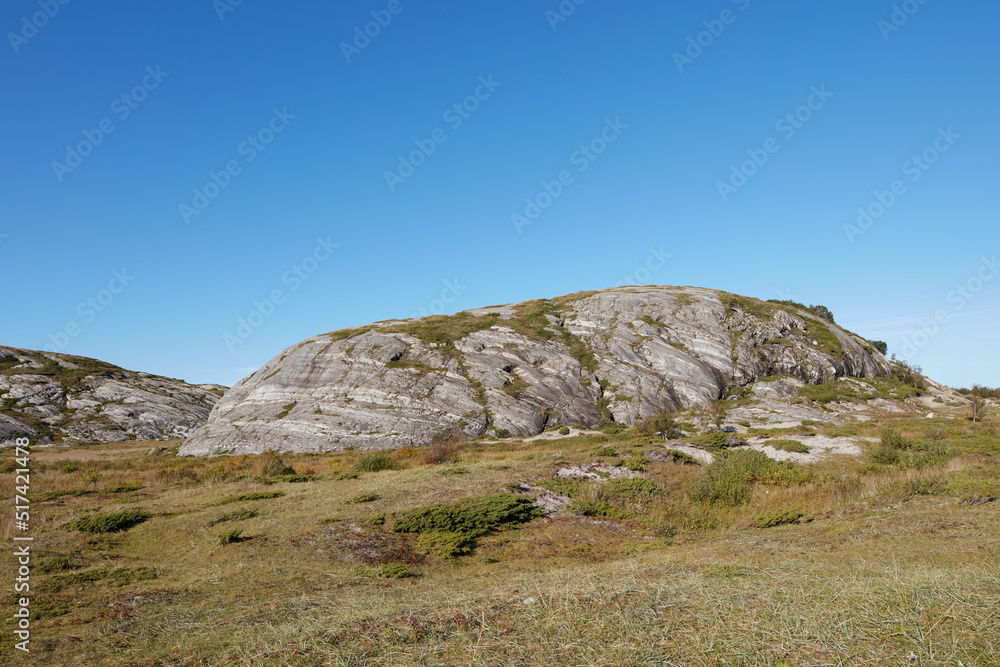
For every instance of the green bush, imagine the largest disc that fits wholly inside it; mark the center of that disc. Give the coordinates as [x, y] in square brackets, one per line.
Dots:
[231, 537]
[564, 486]
[364, 498]
[729, 479]
[788, 445]
[636, 463]
[634, 494]
[473, 517]
[716, 440]
[893, 438]
[661, 423]
[257, 495]
[445, 544]
[236, 515]
[776, 517]
[564, 430]
[721, 485]
[376, 463]
[111, 522]
[606, 451]
[273, 465]
[393, 571]
[599, 508]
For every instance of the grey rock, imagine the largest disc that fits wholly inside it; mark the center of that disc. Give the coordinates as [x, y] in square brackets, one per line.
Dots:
[54, 397]
[622, 354]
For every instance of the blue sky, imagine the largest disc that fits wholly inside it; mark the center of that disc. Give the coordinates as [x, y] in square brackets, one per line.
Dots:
[724, 144]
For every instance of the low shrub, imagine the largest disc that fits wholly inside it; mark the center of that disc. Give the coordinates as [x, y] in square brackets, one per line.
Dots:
[272, 464]
[632, 494]
[446, 544]
[788, 445]
[444, 447]
[231, 537]
[111, 522]
[564, 486]
[776, 517]
[394, 571]
[716, 440]
[257, 495]
[235, 515]
[473, 517]
[564, 430]
[364, 498]
[598, 508]
[636, 463]
[376, 463]
[662, 423]
[729, 479]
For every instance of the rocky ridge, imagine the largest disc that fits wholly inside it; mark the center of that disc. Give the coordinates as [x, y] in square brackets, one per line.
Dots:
[620, 354]
[68, 399]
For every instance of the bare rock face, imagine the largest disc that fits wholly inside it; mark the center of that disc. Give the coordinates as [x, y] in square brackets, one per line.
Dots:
[62, 398]
[620, 354]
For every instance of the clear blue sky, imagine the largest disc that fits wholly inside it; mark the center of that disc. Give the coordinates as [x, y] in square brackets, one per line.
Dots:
[663, 132]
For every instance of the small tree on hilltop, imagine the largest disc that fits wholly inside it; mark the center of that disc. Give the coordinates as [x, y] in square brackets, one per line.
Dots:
[717, 413]
[977, 401]
[662, 423]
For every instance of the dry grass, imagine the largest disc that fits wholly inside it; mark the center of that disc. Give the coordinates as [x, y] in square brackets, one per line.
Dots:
[889, 562]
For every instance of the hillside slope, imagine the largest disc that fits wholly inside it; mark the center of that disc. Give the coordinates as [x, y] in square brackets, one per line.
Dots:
[619, 354]
[63, 398]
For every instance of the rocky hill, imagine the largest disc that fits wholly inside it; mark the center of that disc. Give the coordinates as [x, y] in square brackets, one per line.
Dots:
[618, 355]
[63, 398]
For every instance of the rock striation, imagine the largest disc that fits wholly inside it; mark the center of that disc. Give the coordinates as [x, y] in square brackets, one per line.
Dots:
[620, 354]
[69, 399]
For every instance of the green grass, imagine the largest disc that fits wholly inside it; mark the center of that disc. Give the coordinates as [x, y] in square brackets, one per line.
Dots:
[858, 561]
[755, 307]
[849, 390]
[788, 445]
[444, 329]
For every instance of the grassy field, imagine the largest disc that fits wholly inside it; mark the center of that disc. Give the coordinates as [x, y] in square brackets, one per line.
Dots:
[143, 558]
